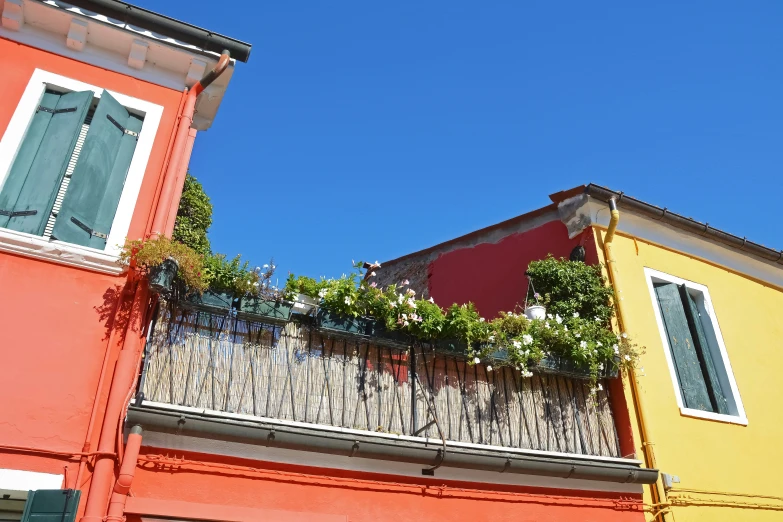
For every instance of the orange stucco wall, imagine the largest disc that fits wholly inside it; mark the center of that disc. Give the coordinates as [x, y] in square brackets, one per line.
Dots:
[234, 485]
[54, 319]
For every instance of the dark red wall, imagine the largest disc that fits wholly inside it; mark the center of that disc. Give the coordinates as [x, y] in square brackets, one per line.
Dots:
[492, 275]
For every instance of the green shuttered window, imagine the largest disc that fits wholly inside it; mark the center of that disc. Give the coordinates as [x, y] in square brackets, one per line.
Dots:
[51, 505]
[65, 178]
[690, 346]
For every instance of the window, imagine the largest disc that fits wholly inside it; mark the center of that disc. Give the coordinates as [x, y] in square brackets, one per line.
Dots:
[704, 383]
[71, 165]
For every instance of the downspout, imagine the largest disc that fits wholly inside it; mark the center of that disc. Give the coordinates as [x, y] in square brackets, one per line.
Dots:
[656, 489]
[171, 176]
[125, 479]
[183, 172]
[123, 379]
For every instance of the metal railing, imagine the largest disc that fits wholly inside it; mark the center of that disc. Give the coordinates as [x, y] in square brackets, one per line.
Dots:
[296, 372]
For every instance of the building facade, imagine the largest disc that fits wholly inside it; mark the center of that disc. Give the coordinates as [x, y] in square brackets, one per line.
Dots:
[100, 107]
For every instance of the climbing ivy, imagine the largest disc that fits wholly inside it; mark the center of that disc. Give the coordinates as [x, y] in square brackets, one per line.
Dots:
[194, 217]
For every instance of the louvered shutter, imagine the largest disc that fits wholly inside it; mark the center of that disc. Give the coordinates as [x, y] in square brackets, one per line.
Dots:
[683, 351]
[51, 505]
[702, 346]
[28, 194]
[91, 201]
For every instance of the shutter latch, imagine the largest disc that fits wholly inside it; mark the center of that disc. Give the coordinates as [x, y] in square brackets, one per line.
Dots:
[56, 111]
[123, 129]
[88, 229]
[12, 214]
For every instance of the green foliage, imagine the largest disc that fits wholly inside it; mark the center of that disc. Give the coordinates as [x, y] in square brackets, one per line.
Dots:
[572, 286]
[577, 327]
[152, 252]
[194, 217]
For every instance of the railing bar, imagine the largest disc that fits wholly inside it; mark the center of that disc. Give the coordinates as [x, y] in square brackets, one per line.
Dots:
[478, 404]
[428, 394]
[508, 408]
[273, 347]
[563, 416]
[363, 380]
[614, 425]
[448, 395]
[328, 384]
[345, 358]
[231, 365]
[288, 354]
[412, 376]
[190, 365]
[307, 372]
[379, 387]
[493, 412]
[578, 421]
[463, 393]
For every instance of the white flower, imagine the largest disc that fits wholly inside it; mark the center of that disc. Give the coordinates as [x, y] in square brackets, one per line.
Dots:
[558, 319]
[405, 323]
[510, 314]
[600, 386]
[516, 344]
[348, 301]
[400, 298]
[404, 316]
[601, 366]
[372, 274]
[255, 284]
[411, 303]
[549, 316]
[481, 319]
[583, 344]
[411, 291]
[527, 374]
[597, 319]
[546, 325]
[527, 339]
[323, 293]
[476, 360]
[491, 338]
[565, 328]
[273, 267]
[489, 368]
[576, 314]
[431, 300]
[616, 349]
[627, 357]
[393, 304]
[406, 282]
[624, 335]
[577, 335]
[598, 343]
[265, 266]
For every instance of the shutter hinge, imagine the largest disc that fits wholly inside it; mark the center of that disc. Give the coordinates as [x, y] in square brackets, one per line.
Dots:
[56, 111]
[11, 213]
[123, 129]
[88, 229]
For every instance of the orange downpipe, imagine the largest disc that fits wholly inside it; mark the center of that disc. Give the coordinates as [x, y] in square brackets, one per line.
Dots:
[123, 379]
[170, 187]
[183, 171]
[125, 479]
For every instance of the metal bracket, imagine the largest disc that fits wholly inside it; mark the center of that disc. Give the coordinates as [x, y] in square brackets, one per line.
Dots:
[12, 214]
[88, 229]
[56, 111]
[123, 129]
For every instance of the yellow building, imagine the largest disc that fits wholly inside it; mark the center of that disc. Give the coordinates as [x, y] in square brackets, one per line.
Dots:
[706, 307]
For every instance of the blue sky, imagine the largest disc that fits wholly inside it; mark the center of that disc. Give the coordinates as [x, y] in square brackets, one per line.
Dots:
[368, 130]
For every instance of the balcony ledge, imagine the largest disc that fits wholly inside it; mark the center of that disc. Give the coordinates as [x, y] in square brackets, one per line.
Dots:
[344, 442]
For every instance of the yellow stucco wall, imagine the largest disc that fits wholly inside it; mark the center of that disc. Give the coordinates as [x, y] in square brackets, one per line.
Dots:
[705, 454]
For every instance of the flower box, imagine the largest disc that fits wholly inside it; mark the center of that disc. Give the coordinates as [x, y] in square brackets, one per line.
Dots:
[385, 336]
[257, 307]
[343, 325]
[304, 305]
[562, 366]
[161, 277]
[212, 301]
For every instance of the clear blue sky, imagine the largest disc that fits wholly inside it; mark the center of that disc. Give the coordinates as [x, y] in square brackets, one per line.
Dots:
[368, 130]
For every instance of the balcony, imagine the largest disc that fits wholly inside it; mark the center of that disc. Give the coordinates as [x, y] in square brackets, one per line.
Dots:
[206, 366]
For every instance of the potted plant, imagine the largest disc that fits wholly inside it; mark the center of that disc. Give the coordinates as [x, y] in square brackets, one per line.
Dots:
[165, 261]
[535, 311]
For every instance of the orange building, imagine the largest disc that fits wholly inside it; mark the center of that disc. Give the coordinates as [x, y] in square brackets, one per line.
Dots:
[100, 107]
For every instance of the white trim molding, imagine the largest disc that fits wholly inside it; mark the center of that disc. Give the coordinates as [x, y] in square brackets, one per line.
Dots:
[107, 260]
[717, 347]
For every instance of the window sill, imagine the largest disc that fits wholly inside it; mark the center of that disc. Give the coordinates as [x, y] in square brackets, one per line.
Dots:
[719, 417]
[58, 252]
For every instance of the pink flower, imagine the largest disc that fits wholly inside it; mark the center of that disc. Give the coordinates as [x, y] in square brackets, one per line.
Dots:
[373, 285]
[406, 282]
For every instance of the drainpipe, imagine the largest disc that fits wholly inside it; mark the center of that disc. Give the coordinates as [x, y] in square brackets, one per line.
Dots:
[183, 171]
[171, 176]
[123, 379]
[656, 489]
[125, 479]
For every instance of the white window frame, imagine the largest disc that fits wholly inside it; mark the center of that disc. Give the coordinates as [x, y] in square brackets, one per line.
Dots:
[106, 260]
[735, 401]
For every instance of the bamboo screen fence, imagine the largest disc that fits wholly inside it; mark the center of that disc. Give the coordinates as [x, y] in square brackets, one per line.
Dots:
[295, 372]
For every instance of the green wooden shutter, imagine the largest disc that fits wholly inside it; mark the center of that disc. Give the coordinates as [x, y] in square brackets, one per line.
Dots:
[29, 192]
[91, 201]
[702, 346]
[51, 505]
[686, 360]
